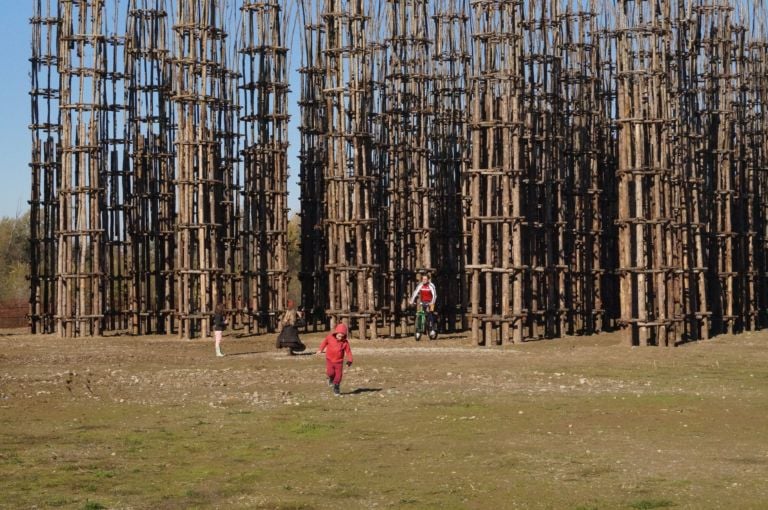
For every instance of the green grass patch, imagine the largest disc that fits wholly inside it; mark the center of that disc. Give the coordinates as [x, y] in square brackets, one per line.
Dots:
[650, 504]
[11, 459]
[61, 501]
[312, 430]
[92, 505]
[505, 432]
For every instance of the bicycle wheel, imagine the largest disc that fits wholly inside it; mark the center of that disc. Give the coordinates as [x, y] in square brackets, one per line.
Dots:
[419, 325]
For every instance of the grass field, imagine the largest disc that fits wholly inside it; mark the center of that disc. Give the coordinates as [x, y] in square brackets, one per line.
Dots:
[577, 423]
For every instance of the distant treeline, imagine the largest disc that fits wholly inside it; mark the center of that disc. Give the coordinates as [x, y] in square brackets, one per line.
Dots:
[14, 257]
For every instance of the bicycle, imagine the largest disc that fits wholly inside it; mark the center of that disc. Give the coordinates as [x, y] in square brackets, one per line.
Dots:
[425, 318]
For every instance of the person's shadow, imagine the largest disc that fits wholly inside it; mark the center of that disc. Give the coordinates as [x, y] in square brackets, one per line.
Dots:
[358, 391]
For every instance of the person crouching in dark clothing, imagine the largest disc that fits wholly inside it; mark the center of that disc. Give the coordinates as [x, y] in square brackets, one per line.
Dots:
[289, 332]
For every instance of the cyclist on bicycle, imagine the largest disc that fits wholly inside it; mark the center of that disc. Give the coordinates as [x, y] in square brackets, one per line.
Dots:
[426, 295]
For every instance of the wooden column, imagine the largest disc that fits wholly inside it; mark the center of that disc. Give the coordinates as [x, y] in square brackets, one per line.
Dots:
[313, 154]
[45, 126]
[196, 90]
[82, 193]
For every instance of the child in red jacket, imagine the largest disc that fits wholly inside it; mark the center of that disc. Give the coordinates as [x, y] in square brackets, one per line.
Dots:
[336, 346]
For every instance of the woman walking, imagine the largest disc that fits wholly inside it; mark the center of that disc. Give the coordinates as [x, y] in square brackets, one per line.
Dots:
[219, 324]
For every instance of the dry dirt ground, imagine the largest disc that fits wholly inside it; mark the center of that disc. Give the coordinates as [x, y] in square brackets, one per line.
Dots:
[575, 423]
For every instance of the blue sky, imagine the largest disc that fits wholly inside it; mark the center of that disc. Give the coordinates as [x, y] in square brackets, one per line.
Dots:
[15, 145]
[14, 117]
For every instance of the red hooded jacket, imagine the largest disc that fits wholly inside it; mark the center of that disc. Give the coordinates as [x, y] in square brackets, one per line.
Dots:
[336, 349]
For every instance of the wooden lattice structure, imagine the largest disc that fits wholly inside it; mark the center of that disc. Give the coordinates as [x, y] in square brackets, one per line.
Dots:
[348, 215]
[558, 168]
[264, 125]
[448, 157]
[313, 275]
[197, 91]
[81, 280]
[407, 89]
[45, 126]
[495, 172]
[228, 144]
[150, 212]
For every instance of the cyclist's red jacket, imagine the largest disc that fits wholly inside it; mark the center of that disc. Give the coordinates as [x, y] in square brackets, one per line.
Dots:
[336, 349]
[426, 292]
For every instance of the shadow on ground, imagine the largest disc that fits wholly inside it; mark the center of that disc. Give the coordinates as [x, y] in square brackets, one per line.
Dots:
[358, 391]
